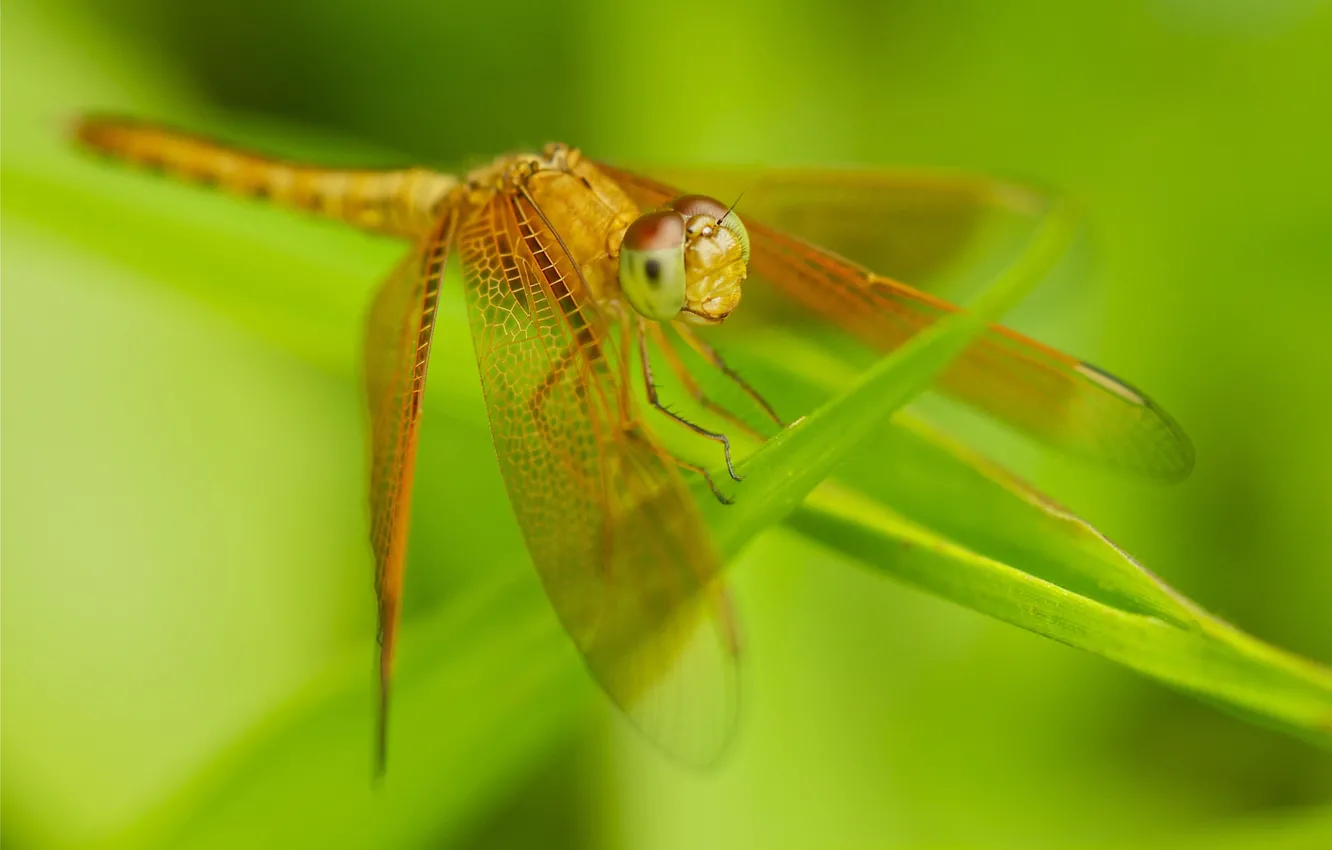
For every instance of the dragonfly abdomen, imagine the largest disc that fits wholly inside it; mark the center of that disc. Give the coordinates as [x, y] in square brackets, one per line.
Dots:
[402, 202]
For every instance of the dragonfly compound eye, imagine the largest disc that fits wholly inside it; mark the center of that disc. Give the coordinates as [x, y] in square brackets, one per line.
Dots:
[716, 257]
[652, 265]
[702, 205]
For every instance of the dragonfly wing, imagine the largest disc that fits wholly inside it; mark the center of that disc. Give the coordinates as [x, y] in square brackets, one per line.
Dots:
[397, 351]
[908, 225]
[1057, 398]
[619, 544]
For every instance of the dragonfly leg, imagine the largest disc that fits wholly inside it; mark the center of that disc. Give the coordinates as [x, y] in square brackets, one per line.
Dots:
[629, 332]
[712, 485]
[692, 387]
[711, 355]
[684, 464]
[651, 387]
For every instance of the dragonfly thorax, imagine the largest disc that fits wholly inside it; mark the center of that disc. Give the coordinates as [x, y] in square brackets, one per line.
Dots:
[687, 259]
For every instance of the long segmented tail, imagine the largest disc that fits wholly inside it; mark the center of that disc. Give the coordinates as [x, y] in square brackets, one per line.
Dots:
[401, 203]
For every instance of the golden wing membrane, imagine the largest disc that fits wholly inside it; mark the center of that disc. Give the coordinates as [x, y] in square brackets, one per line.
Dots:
[397, 350]
[1060, 400]
[908, 225]
[619, 544]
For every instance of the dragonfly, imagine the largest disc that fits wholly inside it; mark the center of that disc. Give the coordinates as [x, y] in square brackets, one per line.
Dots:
[574, 272]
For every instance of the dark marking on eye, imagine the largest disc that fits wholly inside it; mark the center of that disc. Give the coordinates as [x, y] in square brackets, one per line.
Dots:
[692, 205]
[652, 269]
[654, 230]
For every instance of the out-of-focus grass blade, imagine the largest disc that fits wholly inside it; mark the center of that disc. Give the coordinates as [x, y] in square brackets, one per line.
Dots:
[1306, 829]
[460, 729]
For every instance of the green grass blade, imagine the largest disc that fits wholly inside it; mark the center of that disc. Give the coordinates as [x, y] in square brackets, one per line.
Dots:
[924, 475]
[1217, 663]
[786, 468]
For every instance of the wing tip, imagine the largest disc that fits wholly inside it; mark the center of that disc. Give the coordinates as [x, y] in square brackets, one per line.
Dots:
[1174, 457]
[1180, 457]
[382, 715]
[687, 709]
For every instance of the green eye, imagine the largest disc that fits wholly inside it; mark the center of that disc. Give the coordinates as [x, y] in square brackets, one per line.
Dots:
[652, 265]
[733, 223]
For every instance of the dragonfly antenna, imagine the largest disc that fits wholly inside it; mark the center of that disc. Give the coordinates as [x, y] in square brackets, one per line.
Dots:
[732, 207]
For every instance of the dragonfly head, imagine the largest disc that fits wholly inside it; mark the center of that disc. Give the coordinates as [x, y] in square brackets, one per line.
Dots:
[687, 259]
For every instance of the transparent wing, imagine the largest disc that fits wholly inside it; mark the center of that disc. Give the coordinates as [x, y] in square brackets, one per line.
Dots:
[619, 544]
[1057, 398]
[909, 225]
[397, 351]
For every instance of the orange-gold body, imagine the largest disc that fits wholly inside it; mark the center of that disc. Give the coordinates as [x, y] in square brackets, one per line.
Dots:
[539, 236]
[593, 210]
[618, 541]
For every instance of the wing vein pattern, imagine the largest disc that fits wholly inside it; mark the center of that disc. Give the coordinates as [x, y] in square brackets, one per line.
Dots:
[617, 540]
[1058, 399]
[399, 329]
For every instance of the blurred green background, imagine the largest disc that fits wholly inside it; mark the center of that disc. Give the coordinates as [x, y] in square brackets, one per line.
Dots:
[184, 575]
